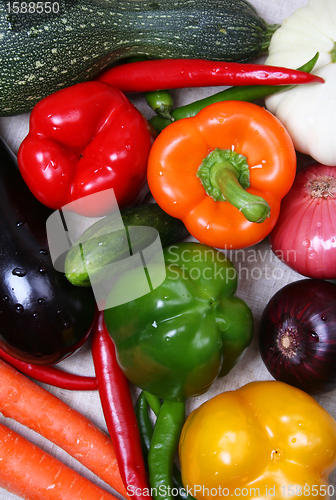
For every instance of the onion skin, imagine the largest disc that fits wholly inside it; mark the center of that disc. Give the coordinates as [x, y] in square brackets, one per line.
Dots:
[304, 236]
[297, 335]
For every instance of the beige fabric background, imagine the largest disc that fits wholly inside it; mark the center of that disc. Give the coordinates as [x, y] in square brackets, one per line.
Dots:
[261, 276]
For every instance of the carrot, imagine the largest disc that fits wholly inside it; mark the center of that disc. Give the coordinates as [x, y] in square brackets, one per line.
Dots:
[33, 474]
[33, 406]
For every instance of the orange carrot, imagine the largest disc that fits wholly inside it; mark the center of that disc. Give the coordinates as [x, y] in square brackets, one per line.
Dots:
[33, 406]
[33, 474]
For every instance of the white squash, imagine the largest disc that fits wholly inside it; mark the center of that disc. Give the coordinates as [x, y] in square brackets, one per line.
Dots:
[308, 111]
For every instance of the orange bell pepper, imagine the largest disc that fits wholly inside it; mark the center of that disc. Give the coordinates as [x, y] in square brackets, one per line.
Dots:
[223, 172]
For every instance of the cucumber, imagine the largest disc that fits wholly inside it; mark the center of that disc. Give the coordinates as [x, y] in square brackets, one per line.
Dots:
[101, 244]
[41, 52]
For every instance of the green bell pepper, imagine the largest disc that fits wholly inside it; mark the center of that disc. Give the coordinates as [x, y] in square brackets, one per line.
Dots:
[177, 339]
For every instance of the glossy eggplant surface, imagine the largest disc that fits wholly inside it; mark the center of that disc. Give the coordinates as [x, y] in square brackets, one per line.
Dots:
[43, 318]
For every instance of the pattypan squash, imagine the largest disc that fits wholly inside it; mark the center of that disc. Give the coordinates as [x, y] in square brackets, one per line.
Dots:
[308, 111]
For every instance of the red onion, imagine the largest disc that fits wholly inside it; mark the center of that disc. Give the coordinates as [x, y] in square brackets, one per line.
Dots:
[297, 335]
[304, 236]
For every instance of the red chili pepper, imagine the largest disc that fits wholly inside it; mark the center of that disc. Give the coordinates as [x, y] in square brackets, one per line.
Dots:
[85, 139]
[145, 76]
[119, 411]
[51, 375]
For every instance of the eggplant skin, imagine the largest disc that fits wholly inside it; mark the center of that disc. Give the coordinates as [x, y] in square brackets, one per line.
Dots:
[43, 318]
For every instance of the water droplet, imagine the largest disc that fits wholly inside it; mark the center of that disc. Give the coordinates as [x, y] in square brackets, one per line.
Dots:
[43, 270]
[329, 453]
[43, 251]
[66, 325]
[306, 243]
[19, 308]
[35, 314]
[314, 336]
[18, 271]
[40, 301]
[302, 424]
[312, 254]
[319, 224]
[5, 298]
[324, 318]
[293, 440]
[276, 454]
[59, 311]
[20, 222]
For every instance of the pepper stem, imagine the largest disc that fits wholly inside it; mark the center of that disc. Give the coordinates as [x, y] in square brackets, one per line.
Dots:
[225, 175]
[333, 53]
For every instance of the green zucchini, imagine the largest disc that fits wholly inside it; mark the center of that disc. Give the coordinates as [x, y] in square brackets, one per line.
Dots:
[101, 244]
[41, 52]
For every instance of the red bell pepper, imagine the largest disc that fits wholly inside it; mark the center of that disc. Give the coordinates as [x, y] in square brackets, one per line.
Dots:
[85, 139]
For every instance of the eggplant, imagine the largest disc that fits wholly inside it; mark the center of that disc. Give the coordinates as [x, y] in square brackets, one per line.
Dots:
[43, 317]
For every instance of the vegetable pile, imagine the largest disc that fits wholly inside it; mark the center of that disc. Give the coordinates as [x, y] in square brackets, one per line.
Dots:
[152, 206]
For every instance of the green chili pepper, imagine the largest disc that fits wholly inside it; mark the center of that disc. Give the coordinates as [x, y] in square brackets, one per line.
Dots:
[146, 434]
[144, 424]
[163, 447]
[161, 102]
[248, 93]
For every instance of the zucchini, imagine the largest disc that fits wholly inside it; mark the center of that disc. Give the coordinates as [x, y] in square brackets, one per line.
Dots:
[42, 52]
[101, 244]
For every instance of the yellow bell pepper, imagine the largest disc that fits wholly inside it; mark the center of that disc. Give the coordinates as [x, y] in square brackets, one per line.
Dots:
[264, 440]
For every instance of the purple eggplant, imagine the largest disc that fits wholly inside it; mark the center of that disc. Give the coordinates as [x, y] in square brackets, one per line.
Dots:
[43, 318]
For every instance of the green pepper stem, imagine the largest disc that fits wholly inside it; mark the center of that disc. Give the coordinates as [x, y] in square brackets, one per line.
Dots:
[224, 175]
[333, 53]
[255, 208]
[270, 30]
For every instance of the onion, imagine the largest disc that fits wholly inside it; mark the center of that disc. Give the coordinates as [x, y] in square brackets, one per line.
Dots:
[297, 335]
[304, 236]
